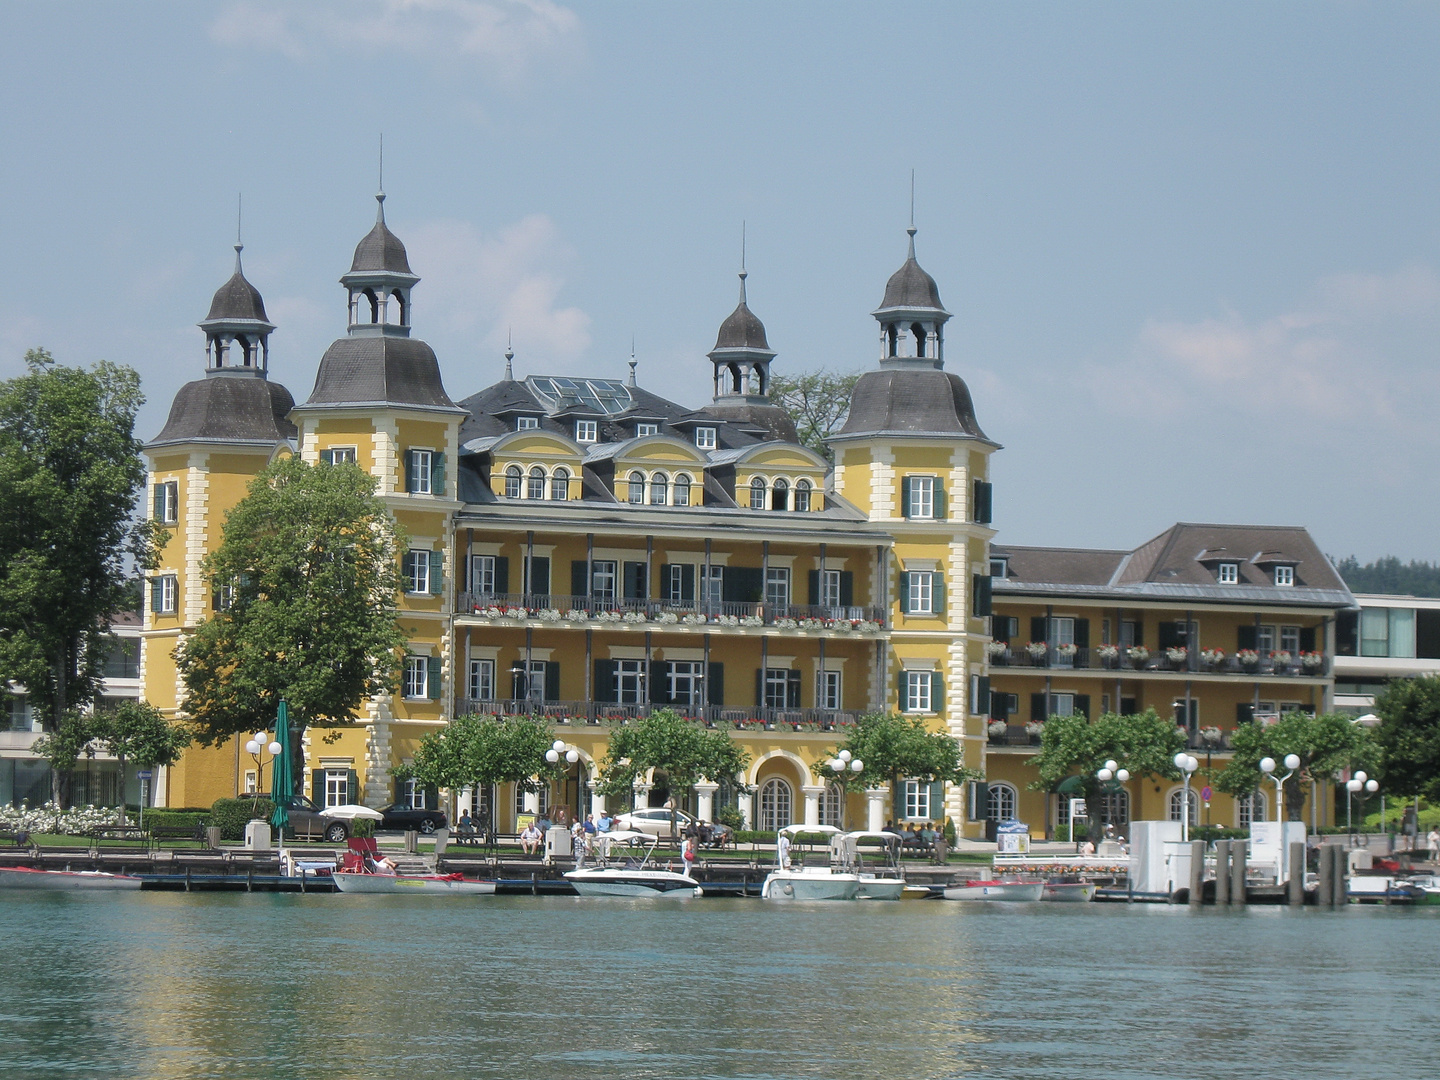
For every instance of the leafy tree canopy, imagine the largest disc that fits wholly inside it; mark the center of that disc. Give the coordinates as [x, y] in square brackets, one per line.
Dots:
[817, 400]
[894, 748]
[70, 470]
[1408, 737]
[667, 742]
[136, 731]
[1390, 575]
[310, 561]
[1324, 744]
[474, 750]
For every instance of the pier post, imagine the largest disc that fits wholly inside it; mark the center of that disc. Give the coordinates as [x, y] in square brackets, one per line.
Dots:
[1341, 878]
[1325, 894]
[1239, 854]
[1197, 872]
[1297, 874]
[1222, 872]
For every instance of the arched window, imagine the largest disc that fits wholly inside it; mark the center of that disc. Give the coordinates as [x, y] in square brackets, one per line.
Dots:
[776, 803]
[802, 495]
[893, 338]
[1178, 799]
[536, 488]
[780, 495]
[734, 379]
[1250, 809]
[242, 351]
[637, 488]
[402, 316]
[659, 489]
[1001, 802]
[757, 493]
[1115, 808]
[513, 477]
[918, 332]
[374, 301]
[560, 484]
[830, 802]
[682, 490]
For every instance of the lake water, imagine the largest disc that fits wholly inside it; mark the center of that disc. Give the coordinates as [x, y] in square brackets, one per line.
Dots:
[174, 985]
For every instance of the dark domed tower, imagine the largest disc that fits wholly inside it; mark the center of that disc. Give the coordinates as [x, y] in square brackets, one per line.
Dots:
[742, 375]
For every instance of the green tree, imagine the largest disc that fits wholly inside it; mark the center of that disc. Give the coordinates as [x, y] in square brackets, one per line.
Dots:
[62, 747]
[1324, 744]
[1390, 575]
[894, 748]
[817, 400]
[1075, 747]
[310, 565]
[70, 470]
[1408, 737]
[668, 743]
[136, 732]
[475, 750]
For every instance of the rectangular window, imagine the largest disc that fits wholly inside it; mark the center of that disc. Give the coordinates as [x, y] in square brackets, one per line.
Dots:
[123, 661]
[1229, 573]
[917, 691]
[417, 571]
[167, 502]
[641, 430]
[1130, 633]
[712, 583]
[1284, 576]
[1374, 632]
[630, 682]
[917, 800]
[1062, 704]
[781, 690]
[250, 782]
[687, 682]
[705, 438]
[1265, 639]
[777, 586]
[526, 423]
[677, 577]
[602, 580]
[828, 694]
[1402, 632]
[585, 431]
[920, 592]
[22, 718]
[922, 497]
[529, 682]
[164, 594]
[338, 455]
[419, 472]
[415, 795]
[223, 598]
[337, 787]
[482, 680]
[830, 592]
[417, 678]
[1290, 640]
[999, 567]
[482, 573]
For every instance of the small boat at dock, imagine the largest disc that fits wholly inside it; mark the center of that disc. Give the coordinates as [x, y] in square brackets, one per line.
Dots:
[24, 877]
[411, 884]
[630, 877]
[996, 890]
[1069, 892]
[832, 881]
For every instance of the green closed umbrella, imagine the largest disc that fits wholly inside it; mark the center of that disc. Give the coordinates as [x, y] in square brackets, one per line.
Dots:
[282, 781]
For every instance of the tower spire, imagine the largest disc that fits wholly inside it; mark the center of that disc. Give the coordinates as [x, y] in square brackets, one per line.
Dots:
[743, 273]
[239, 214]
[509, 356]
[380, 195]
[633, 361]
[911, 230]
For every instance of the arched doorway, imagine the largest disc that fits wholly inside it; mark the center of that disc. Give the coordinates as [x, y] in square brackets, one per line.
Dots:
[777, 805]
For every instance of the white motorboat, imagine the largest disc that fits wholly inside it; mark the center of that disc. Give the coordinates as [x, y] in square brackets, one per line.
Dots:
[1069, 892]
[834, 881]
[996, 890]
[889, 883]
[630, 877]
[23, 877]
[412, 884]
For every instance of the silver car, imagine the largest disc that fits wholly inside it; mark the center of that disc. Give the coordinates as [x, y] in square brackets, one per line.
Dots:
[656, 821]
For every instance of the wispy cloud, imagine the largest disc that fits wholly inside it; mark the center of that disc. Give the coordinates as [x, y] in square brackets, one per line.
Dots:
[504, 37]
[491, 285]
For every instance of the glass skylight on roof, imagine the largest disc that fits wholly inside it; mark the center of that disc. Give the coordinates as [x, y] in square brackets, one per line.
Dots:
[607, 396]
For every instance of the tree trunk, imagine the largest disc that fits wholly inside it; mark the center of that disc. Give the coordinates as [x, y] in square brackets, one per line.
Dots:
[60, 781]
[1095, 831]
[121, 759]
[1295, 798]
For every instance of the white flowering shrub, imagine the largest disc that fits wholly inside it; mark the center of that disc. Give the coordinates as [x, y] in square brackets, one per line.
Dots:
[49, 818]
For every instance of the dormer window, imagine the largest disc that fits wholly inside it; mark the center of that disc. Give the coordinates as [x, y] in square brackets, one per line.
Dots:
[705, 438]
[641, 430]
[999, 567]
[1284, 576]
[1228, 573]
[526, 423]
[585, 431]
[802, 496]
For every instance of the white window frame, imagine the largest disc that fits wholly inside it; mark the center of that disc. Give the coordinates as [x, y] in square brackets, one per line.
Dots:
[169, 594]
[918, 691]
[643, 430]
[1062, 703]
[631, 680]
[417, 674]
[587, 431]
[776, 800]
[635, 489]
[1284, 577]
[705, 438]
[1002, 801]
[776, 688]
[831, 805]
[421, 471]
[672, 588]
[917, 800]
[1250, 809]
[482, 574]
[1290, 641]
[758, 486]
[689, 674]
[1174, 799]
[527, 423]
[800, 500]
[920, 592]
[417, 572]
[604, 570]
[710, 583]
[1266, 639]
[777, 586]
[680, 489]
[922, 498]
[532, 680]
[999, 567]
[659, 489]
[535, 483]
[1228, 573]
[514, 481]
[334, 796]
[830, 690]
[414, 796]
[830, 588]
[481, 684]
[340, 455]
[560, 484]
[169, 501]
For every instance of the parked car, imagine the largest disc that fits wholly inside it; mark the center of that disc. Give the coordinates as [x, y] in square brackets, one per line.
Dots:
[655, 821]
[405, 816]
[306, 821]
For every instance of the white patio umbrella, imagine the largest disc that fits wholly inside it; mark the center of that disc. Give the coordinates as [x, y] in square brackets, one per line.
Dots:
[351, 811]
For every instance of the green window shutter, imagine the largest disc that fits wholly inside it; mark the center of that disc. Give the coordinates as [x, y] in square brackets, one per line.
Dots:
[1307, 639]
[659, 685]
[716, 690]
[687, 583]
[1038, 708]
[432, 681]
[904, 591]
[157, 503]
[937, 800]
[937, 692]
[940, 499]
[538, 571]
[905, 496]
[979, 800]
[578, 585]
[552, 680]
[1082, 705]
[352, 787]
[327, 457]
[502, 574]
[847, 588]
[409, 470]
[937, 594]
[1082, 633]
[432, 798]
[982, 697]
[900, 689]
[317, 786]
[437, 573]
[981, 589]
[1246, 638]
[437, 474]
[983, 497]
[666, 584]
[405, 570]
[1244, 713]
[792, 690]
[605, 690]
[1037, 629]
[813, 582]
[636, 583]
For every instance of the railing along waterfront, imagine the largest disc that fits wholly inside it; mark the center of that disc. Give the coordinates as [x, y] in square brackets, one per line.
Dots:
[1306, 665]
[590, 611]
[713, 716]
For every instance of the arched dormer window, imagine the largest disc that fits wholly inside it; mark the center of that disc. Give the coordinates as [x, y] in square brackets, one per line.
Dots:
[513, 478]
[637, 488]
[757, 493]
[780, 495]
[535, 489]
[560, 484]
[802, 495]
[659, 489]
[681, 496]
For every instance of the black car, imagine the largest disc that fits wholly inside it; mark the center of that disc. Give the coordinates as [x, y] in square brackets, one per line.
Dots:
[307, 821]
[404, 816]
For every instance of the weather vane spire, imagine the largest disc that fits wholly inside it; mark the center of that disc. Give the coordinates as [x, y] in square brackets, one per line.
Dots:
[911, 230]
[633, 361]
[239, 217]
[743, 272]
[380, 195]
[509, 354]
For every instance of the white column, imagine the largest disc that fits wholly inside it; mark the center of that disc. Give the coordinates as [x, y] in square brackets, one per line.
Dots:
[531, 802]
[747, 808]
[597, 804]
[875, 807]
[705, 800]
[812, 793]
[642, 794]
[467, 796]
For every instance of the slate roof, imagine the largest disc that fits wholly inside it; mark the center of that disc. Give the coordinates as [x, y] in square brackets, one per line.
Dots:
[379, 370]
[911, 286]
[242, 408]
[237, 299]
[911, 401]
[380, 249]
[742, 329]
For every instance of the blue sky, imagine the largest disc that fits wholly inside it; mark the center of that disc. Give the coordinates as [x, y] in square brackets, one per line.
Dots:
[1192, 250]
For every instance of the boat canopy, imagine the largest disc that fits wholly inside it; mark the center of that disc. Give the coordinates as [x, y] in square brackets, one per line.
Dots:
[821, 830]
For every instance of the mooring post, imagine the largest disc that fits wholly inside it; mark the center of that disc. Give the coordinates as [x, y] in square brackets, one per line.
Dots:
[1325, 892]
[1341, 877]
[1197, 872]
[1297, 874]
[1239, 854]
[1222, 872]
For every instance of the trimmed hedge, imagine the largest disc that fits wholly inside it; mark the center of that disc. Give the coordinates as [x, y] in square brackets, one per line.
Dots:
[232, 815]
[161, 817]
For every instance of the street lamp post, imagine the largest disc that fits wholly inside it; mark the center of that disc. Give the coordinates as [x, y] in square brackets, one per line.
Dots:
[1187, 766]
[1111, 770]
[555, 753]
[838, 765]
[1267, 766]
[1354, 786]
[261, 744]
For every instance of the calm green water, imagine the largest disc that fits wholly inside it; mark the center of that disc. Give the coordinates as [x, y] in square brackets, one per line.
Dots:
[173, 985]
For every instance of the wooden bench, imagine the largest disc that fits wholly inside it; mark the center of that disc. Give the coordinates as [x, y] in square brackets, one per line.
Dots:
[18, 839]
[118, 832]
[160, 833]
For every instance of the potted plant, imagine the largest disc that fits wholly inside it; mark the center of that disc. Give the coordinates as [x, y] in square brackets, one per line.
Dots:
[1248, 659]
[1211, 735]
[1138, 654]
[1312, 661]
[1177, 655]
[1066, 651]
[1281, 659]
[1037, 650]
[1212, 658]
[998, 650]
[1108, 654]
[997, 728]
[1035, 728]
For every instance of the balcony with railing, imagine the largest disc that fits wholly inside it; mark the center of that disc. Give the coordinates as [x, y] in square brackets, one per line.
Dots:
[721, 717]
[1207, 739]
[1178, 661]
[589, 612]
